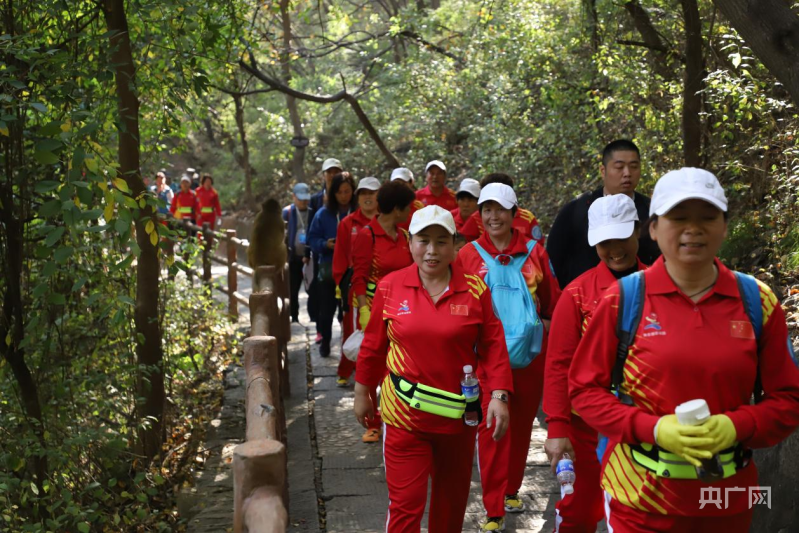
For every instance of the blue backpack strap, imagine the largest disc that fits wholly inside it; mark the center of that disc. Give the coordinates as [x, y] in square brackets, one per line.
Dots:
[750, 296]
[487, 259]
[632, 291]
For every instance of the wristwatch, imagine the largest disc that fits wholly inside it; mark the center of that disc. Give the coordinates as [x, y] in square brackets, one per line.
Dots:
[501, 396]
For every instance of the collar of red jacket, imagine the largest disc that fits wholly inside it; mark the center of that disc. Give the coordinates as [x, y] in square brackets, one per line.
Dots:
[360, 217]
[658, 280]
[518, 244]
[457, 282]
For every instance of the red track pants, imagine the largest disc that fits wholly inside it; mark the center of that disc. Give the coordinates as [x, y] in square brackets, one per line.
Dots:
[580, 512]
[411, 459]
[345, 366]
[211, 219]
[502, 463]
[624, 519]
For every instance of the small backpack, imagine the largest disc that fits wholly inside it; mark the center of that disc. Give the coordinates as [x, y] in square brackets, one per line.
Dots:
[514, 306]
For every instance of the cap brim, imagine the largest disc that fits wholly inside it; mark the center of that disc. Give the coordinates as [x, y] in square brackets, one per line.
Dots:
[671, 202]
[303, 196]
[605, 233]
[414, 229]
[506, 204]
[366, 188]
[401, 178]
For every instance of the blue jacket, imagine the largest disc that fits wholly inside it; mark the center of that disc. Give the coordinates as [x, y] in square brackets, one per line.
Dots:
[324, 227]
[290, 216]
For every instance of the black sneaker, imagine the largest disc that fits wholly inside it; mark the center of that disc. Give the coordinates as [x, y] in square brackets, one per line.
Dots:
[324, 349]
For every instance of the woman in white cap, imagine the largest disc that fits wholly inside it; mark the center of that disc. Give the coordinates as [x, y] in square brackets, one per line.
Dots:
[517, 270]
[348, 228]
[613, 229]
[429, 322]
[380, 248]
[404, 175]
[687, 328]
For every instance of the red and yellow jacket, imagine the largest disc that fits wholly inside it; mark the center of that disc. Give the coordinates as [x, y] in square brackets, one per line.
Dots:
[374, 255]
[208, 203]
[429, 343]
[415, 206]
[684, 351]
[348, 229]
[572, 315]
[456, 214]
[184, 205]
[537, 271]
[524, 221]
[445, 200]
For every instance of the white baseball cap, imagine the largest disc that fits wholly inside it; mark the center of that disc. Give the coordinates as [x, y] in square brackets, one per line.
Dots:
[688, 183]
[432, 215]
[185, 178]
[500, 193]
[470, 186]
[401, 173]
[435, 163]
[368, 183]
[331, 163]
[611, 217]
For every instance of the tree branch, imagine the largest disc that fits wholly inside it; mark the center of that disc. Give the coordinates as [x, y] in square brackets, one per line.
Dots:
[252, 68]
[430, 46]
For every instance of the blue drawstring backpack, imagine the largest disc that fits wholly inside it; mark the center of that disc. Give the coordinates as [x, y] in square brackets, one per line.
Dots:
[514, 305]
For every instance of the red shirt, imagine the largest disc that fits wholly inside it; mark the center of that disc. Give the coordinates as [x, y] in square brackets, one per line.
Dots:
[208, 202]
[348, 228]
[184, 205]
[524, 221]
[445, 200]
[537, 270]
[456, 214]
[683, 351]
[430, 343]
[572, 315]
[375, 254]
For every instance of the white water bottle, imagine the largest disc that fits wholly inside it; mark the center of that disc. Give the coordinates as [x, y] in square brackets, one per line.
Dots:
[566, 476]
[696, 413]
[470, 388]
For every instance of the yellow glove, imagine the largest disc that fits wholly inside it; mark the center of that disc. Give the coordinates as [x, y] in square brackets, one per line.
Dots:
[689, 442]
[364, 313]
[721, 429]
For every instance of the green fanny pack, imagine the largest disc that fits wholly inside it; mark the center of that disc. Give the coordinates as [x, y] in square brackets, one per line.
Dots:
[429, 399]
[206, 210]
[184, 210]
[669, 465]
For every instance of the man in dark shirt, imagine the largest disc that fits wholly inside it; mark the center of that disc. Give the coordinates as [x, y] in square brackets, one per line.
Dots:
[567, 243]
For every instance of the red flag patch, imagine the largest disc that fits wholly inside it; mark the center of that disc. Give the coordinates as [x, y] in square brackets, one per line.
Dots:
[459, 310]
[742, 329]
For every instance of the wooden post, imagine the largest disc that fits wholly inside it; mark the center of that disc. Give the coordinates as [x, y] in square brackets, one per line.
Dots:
[263, 404]
[263, 313]
[259, 474]
[232, 279]
[264, 279]
[208, 244]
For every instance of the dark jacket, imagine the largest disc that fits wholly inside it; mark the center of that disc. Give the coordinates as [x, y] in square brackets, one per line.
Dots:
[318, 201]
[291, 217]
[324, 227]
[567, 243]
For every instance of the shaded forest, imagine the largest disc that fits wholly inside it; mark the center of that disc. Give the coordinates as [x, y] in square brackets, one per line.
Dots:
[110, 360]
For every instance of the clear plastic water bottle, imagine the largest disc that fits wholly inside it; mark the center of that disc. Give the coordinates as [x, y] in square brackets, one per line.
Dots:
[566, 477]
[470, 388]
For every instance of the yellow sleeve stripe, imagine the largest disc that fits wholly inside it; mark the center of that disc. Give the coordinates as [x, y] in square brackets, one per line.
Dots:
[767, 299]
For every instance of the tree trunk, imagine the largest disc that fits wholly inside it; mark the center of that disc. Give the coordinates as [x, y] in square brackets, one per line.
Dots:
[592, 20]
[150, 380]
[692, 85]
[771, 29]
[245, 148]
[661, 54]
[297, 165]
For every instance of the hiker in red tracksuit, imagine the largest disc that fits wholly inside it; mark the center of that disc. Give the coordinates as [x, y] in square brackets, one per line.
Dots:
[184, 204]
[429, 320]
[436, 192]
[502, 463]
[467, 195]
[613, 228]
[348, 228]
[696, 340]
[208, 203]
[524, 220]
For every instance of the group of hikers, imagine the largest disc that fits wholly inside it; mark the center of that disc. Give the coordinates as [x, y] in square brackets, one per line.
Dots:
[194, 199]
[616, 319]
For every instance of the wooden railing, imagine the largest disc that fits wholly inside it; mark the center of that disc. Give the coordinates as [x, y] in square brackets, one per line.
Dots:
[260, 484]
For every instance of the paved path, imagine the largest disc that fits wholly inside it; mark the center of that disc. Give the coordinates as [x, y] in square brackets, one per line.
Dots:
[350, 480]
